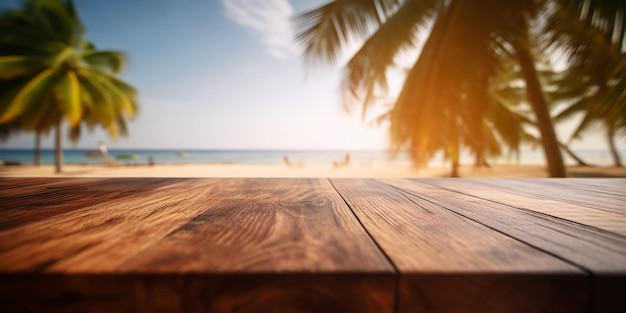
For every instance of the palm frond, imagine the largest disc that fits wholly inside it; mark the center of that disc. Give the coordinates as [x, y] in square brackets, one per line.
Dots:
[571, 110]
[122, 97]
[584, 125]
[325, 31]
[433, 87]
[367, 69]
[8, 129]
[15, 66]
[586, 31]
[122, 94]
[95, 96]
[112, 61]
[26, 96]
[41, 117]
[68, 96]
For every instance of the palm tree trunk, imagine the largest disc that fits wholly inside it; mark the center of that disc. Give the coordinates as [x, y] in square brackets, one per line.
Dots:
[58, 149]
[455, 168]
[578, 160]
[610, 137]
[480, 160]
[454, 153]
[556, 167]
[37, 148]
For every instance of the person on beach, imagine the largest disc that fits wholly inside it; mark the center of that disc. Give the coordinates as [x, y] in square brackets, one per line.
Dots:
[103, 153]
[103, 149]
[344, 163]
[291, 164]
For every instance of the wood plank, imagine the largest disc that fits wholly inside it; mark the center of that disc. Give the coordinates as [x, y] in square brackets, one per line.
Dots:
[99, 237]
[544, 189]
[498, 191]
[493, 292]
[448, 263]
[300, 189]
[598, 252]
[298, 235]
[195, 292]
[16, 187]
[29, 204]
[612, 186]
[201, 245]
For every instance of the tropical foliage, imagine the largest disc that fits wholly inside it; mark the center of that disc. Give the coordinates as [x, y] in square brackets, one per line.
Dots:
[447, 100]
[49, 73]
[591, 37]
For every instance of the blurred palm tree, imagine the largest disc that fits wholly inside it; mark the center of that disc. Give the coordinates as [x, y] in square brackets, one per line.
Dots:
[508, 91]
[49, 72]
[583, 100]
[590, 35]
[485, 124]
[469, 41]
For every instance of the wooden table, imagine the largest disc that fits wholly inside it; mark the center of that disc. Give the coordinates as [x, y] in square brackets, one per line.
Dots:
[312, 245]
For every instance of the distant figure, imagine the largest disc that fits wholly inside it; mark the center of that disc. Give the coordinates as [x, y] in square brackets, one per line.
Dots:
[344, 163]
[150, 161]
[103, 149]
[101, 153]
[291, 164]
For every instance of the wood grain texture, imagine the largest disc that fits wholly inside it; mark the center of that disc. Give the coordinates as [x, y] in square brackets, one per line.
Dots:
[279, 228]
[196, 292]
[611, 186]
[510, 193]
[251, 236]
[31, 203]
[267, 245]
[21, 185]
[489, 292]
[601, 253]
[100, 236]
[243, 245]
[566, 193]
[448, 263]
[292, 189]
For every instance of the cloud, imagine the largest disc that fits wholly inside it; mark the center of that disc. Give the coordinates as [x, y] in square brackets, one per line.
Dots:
[267, 18]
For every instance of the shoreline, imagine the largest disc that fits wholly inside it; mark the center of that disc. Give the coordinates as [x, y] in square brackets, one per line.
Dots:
[280, 170]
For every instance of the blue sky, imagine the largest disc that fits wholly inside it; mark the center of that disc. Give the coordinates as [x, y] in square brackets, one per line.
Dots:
[222, 74]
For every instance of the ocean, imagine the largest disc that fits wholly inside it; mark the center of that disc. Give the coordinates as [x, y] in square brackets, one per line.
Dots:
[374, 157]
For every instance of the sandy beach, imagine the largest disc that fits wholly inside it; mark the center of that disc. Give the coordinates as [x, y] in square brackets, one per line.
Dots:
[278, 170]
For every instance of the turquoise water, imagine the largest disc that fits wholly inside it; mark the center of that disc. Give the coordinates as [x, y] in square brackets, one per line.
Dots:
[78, 156]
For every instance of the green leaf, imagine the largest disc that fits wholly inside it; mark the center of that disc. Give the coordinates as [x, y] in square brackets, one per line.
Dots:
[42, 117]
[92, 89]
[13, 66]
[112, 61]
[122, 94]
[68, 96]
[25, 97]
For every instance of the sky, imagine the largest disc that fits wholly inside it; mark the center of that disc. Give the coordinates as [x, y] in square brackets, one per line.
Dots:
[224, 74]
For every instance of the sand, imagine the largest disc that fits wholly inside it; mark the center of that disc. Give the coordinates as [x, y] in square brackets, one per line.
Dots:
[279, 170]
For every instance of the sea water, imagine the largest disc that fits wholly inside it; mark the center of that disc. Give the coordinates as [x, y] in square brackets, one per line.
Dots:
[365, 158]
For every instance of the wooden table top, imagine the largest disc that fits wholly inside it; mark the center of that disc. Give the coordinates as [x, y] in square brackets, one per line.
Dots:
[312, 245]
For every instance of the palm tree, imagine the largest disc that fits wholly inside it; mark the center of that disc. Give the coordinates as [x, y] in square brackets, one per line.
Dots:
[49, 72]
[591, 35]
[583, 99]
[428, 103]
